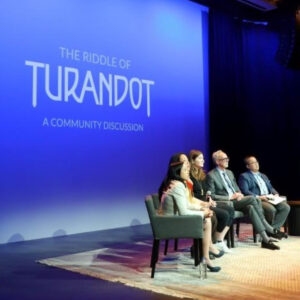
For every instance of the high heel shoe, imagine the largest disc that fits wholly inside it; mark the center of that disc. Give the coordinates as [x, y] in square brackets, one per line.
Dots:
[221, 253]
[213, 269]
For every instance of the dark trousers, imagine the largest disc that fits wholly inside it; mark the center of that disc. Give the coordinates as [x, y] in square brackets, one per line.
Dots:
[251, 206]
[225, 215]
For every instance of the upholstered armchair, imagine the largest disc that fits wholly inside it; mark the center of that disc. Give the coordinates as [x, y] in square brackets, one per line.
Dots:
[170, 226]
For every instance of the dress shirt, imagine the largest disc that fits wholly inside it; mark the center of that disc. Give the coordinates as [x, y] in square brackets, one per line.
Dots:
[261, 183]
[227, 182]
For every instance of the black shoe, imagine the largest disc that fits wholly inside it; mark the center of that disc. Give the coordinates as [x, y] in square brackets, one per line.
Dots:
[282, 234]
[221, 253]
[273, 240]
[278, 234]
[213, 269]
[269, 245]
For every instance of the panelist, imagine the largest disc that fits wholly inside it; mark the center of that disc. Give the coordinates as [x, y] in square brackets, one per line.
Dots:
[257, 184]
[222, 184]
[175, 184]
[224, 213]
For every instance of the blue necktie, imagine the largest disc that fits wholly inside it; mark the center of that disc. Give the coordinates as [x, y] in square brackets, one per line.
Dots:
[228, 182]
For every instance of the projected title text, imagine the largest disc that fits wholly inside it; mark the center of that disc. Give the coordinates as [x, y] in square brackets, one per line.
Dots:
[116, 87]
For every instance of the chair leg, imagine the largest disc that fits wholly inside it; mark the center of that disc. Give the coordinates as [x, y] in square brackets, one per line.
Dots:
[200, 250]
[228, 238]
[231, 229]
[238, 228]
[175, 244]
[254, 234]
[166, 247]
[196, 252]
[154, 256]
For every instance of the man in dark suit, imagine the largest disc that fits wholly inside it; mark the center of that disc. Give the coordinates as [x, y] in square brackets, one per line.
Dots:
[222, 184]
[257, 184]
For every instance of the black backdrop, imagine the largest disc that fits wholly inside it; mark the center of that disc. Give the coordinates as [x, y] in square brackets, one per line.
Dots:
[254, 101]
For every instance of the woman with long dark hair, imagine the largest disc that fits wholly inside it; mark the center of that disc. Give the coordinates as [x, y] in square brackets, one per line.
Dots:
[175, 184]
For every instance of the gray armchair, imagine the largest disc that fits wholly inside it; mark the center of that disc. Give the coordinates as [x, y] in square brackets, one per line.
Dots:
[165, 227]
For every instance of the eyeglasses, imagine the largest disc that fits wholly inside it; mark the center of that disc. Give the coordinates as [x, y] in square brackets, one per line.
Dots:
[254, 162]
[225, 158]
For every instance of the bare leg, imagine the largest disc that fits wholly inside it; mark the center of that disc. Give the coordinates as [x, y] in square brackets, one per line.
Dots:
[219, 236]
[207, 240]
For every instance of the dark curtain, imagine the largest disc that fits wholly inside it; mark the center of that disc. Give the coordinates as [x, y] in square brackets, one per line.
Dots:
[254, 101]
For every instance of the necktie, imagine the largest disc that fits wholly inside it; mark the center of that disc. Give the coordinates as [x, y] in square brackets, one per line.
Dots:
[228, 182]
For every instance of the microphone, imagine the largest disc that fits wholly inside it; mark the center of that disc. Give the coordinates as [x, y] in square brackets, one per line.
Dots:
[208, 195]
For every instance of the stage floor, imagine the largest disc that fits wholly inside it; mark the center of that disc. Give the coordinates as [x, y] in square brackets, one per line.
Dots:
[21, 278]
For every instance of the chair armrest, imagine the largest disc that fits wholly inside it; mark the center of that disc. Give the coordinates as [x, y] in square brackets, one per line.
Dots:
[171, 227]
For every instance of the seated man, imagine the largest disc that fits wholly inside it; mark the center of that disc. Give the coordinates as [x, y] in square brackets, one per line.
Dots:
[222, 184]
[257, 184]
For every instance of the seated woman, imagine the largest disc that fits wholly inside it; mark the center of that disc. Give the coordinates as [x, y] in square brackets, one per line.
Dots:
[175, 185]
[224, 213]
[180, 156]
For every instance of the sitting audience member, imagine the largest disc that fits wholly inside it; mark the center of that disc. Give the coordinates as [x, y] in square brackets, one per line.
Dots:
[257, 184]
[224, 213]
[222, 184]
[175, 184]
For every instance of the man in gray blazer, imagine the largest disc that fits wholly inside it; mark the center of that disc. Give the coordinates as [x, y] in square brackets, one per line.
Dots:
[222, 184]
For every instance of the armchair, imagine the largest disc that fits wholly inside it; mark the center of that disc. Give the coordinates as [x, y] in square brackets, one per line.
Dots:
[165, 227]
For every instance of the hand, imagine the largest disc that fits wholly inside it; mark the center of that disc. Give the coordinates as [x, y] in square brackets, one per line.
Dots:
[204, 204]
[234, 196]
[237, 196]
[212, 202]
[240, 196]
[207, 213]
[263, 198]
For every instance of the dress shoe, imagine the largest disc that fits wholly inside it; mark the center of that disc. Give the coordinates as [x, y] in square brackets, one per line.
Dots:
[221, 253]
[269, 245]
[278, 234]
[282, 234]
[213, 269]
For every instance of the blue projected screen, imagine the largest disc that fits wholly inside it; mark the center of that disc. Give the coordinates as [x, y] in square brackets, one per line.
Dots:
[95, 98]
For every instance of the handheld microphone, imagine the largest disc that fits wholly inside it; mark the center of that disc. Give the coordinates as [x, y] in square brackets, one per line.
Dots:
[208, 195]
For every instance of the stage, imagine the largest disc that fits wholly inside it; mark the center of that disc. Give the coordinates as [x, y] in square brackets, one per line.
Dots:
[24, 278]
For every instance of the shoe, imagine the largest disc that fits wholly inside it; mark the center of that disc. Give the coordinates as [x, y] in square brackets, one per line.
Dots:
[221, 253]
[278, 234]
[213, 269]
[281, 233]
[211, 256]
[223, 246]
[269, 245]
